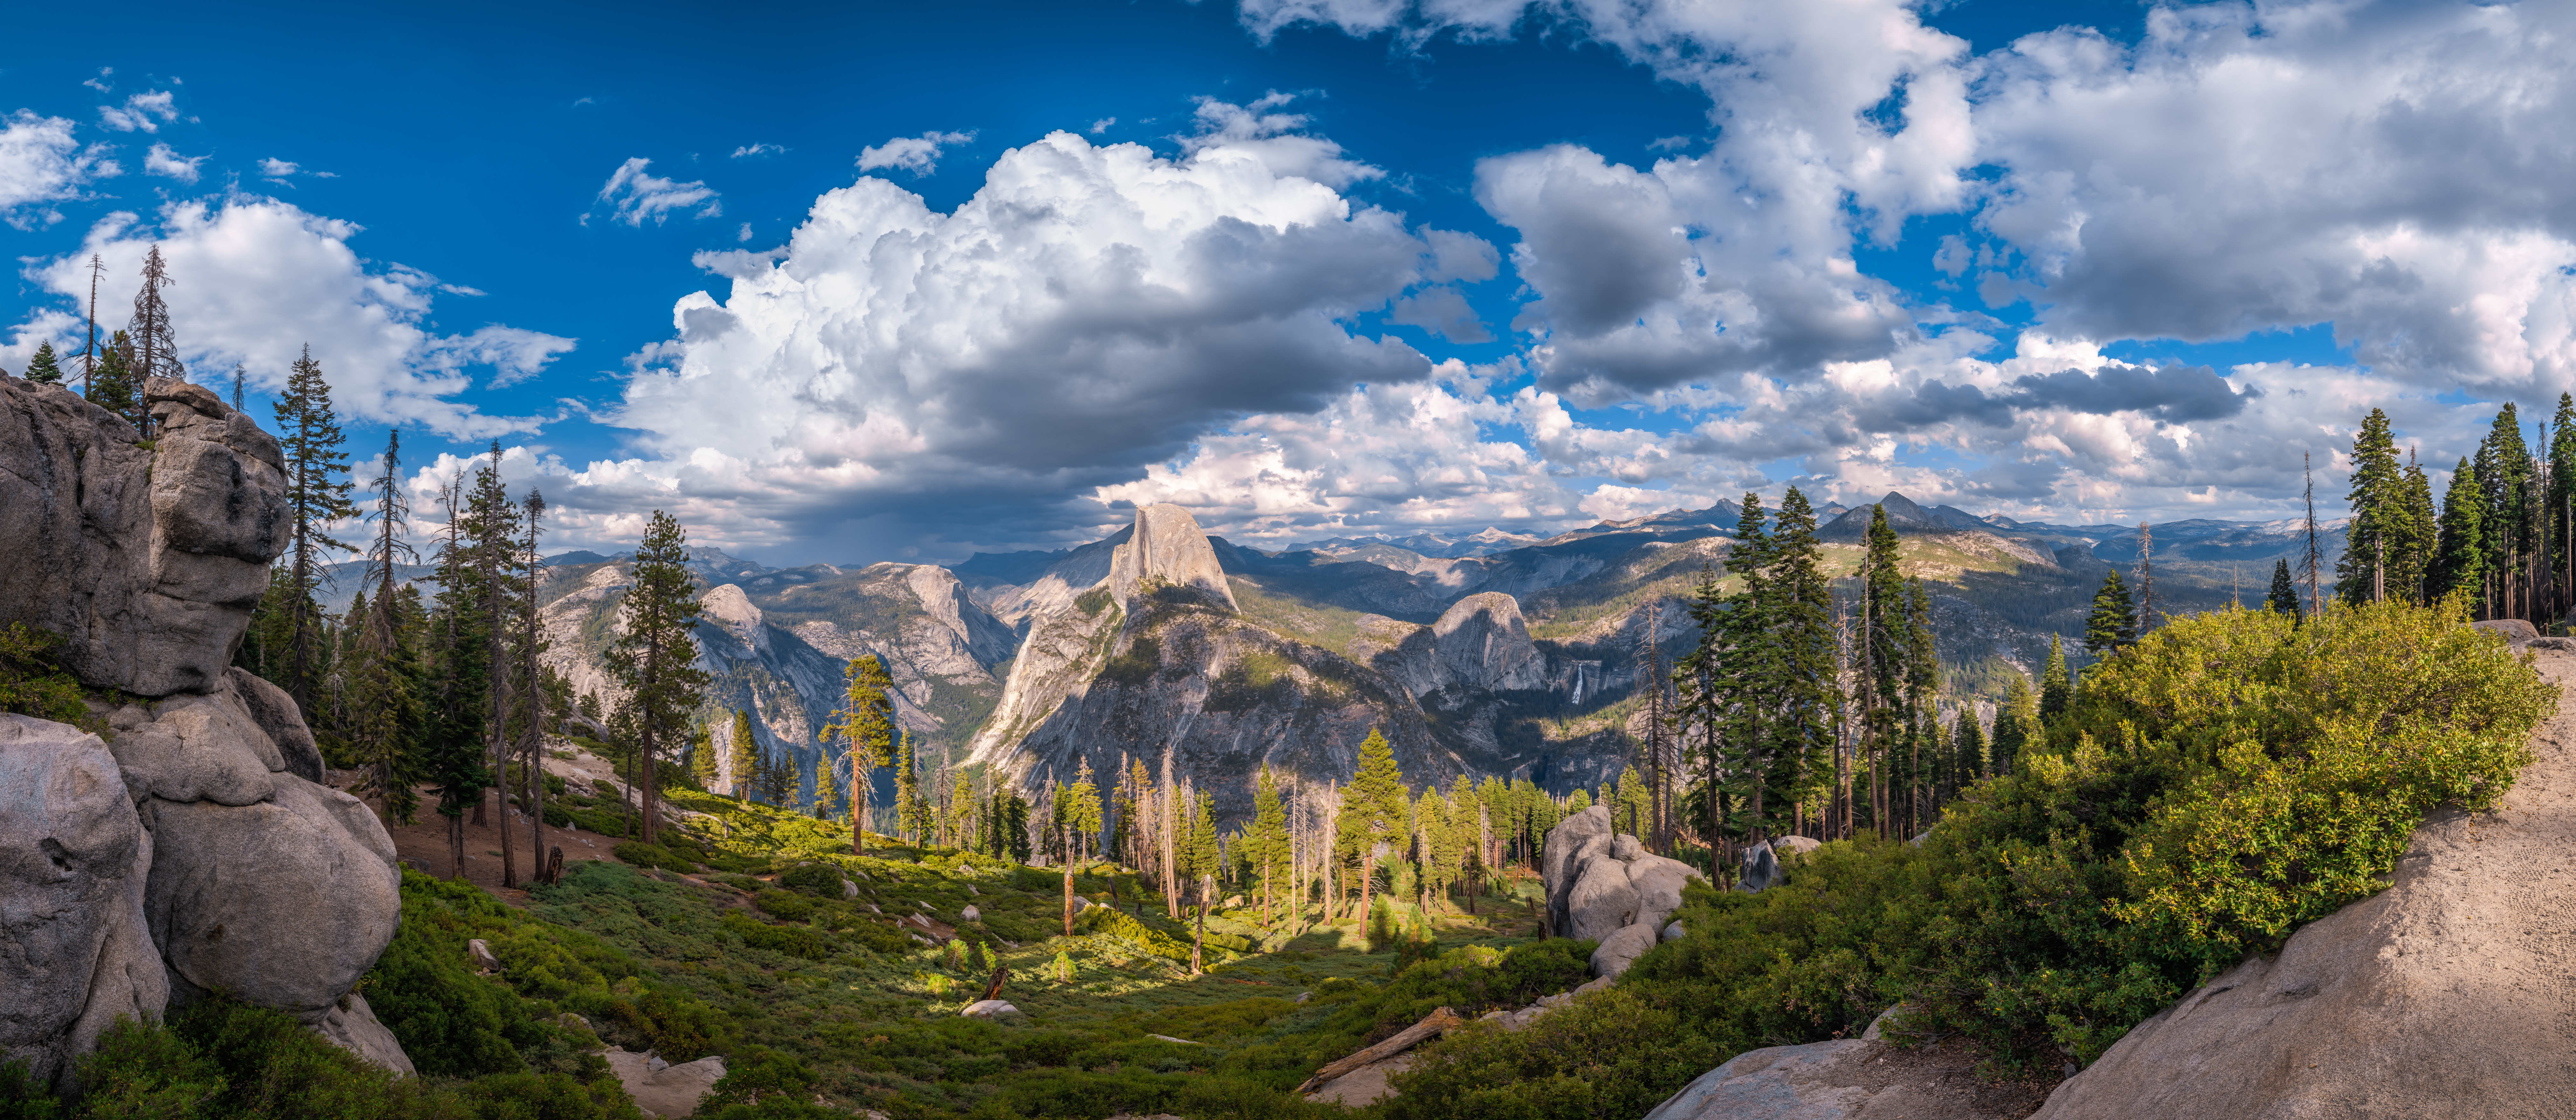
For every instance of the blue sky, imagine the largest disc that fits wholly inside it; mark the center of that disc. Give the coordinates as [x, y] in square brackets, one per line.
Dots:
[1440, 265]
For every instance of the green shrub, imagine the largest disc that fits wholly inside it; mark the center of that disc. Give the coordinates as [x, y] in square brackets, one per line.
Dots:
[31, 684]
[821, 880]
[781, 904]
[449, 1020]
[795, 941]
[2222, 783]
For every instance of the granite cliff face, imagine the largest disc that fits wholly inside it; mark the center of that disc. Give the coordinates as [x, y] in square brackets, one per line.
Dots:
[189, 849]
[777, 642]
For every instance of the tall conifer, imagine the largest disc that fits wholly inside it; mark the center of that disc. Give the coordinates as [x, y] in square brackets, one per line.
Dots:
[865, 727]
[2284, 598]
[2113, 625]
[2378, 524]
[309, 435]
[2459, 560]
[2056, 682]
[656, 658]
[1374, 810]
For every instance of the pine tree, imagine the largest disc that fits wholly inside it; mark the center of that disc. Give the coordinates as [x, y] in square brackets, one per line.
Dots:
[2459, 560]
[2413, 534]
[907, 787]
[1748, 666]
[1968, 747]
[2558, 504]
[1374, 809]
[742, 756]
[2113, 625]
[309, 435]
[492, 529]
[42, 368]
[656, 658]
[382, 671]
[1199, 864]
[702, 757]
[2016, 726]
[1883, 655]
[111, 383]
[156, 349]
[2377, 495]
[2056, 683]
[865, 728]
[823, 790]
[1806, 694]
[2284, 598]
[238, 375]
[2505, 522]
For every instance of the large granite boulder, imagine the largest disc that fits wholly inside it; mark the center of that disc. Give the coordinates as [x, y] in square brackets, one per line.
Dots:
[1557, 853]
[148, 560]
[1608, 888]
[74, 950]
[284, 903]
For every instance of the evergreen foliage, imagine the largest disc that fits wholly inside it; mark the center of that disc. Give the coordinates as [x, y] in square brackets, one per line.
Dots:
[112, 382]
[2056, 682]
[42, 368]
[308, 432]
[2113, 624]
[2460, 559]
[865, 728]
[656, 658]
[1376, 811]
[2284, 596]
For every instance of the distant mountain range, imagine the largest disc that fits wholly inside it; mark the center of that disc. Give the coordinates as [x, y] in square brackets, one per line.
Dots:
[1483, 653]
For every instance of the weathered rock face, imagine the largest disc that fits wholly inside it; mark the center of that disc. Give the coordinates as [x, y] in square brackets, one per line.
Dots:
[274, 711]
[283, 903]
[193, 851]
[1168, 544]
[73, 857]
[1609, 888]
[148, 561]
[1220, 695]
[2448, 994]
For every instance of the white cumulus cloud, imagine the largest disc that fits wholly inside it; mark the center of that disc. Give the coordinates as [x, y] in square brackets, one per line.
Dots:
[256, 279]
[41, 163]
[898, 372]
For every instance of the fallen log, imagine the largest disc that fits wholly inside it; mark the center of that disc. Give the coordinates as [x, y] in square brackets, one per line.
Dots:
[1432, 1026]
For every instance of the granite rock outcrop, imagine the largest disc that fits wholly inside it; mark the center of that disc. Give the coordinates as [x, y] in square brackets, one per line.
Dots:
[1607, 887]
[187, 847]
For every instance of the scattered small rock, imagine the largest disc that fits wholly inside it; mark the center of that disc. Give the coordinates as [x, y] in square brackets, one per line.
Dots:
[988, 1008]
[484, 961]
[1304, 996]
[970, 914]
[1182, 1041]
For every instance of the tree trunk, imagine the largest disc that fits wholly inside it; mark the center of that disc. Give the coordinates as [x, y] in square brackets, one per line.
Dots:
[456, 847]
[1198, 943]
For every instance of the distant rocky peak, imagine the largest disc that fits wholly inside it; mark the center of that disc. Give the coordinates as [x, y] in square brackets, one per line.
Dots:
[726, 608]
[1167, 544]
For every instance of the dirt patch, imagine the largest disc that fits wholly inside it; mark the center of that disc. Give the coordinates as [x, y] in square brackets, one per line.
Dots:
[423, 845]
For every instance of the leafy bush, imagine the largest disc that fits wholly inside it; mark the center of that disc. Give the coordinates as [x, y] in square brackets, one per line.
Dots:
[449, 1020]
[821, 880]
[220, 1059]
[781, 904]
[795, 941]
[2222, 783]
